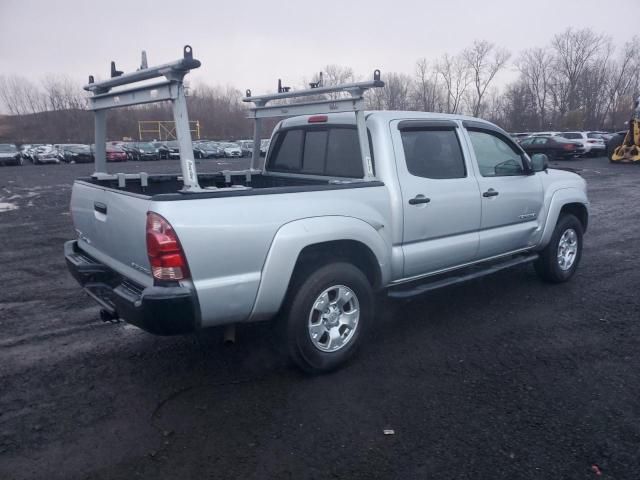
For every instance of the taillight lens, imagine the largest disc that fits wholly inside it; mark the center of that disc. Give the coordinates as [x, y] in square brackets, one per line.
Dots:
[568, 146]
[318, 119]
[165, 252]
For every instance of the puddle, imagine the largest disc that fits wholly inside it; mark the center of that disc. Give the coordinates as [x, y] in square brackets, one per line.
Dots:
[6, 206]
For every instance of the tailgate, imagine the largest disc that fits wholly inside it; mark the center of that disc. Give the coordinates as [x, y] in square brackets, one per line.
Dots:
[111, 226]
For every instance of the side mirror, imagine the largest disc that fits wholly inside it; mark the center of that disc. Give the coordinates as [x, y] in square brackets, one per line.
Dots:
[539, 162]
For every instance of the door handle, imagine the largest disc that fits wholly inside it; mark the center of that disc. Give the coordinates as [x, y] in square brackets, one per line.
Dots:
[100, 207]
[490, 193]
[418, 200]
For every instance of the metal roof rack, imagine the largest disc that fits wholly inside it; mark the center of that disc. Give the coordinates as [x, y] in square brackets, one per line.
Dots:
[172, 89]
[353, 103]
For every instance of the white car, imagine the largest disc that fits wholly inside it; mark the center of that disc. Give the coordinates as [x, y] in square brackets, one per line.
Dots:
[594, 146]
[231, 150]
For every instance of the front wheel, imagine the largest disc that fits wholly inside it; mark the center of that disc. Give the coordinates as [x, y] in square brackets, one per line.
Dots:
[560, 258]
[326, 316]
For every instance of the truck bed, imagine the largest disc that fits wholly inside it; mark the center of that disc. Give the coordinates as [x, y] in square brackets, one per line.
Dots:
[165, 187]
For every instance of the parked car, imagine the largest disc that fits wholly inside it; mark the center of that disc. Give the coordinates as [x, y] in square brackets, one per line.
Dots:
[333, 234]
[45, 154]
[143, 151]
[519, 136]
[246, 147]
[264, 147]
[162, 150]
[555, 148]
[207, 149]
[75, 153]
[592, 145]
[606, 136]
[29, 151]
[115, 153]
[231, 150]
[10, 155]
[174, 151]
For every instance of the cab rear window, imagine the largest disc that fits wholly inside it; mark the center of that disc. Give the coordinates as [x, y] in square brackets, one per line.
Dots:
[328, 151]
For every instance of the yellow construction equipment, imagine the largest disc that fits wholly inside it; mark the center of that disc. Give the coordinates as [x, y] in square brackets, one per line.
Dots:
[629, 151]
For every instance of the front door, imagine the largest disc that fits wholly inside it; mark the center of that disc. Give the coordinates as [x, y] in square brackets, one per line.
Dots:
[440, 196]
[512, 197]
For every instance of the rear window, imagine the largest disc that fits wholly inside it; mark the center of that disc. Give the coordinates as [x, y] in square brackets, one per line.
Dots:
[333, 151]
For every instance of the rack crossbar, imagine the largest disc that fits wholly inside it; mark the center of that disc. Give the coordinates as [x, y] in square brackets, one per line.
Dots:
[309, 108]
[135, 96]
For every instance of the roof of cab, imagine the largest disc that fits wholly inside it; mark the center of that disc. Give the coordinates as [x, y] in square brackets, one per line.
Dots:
[384, 116]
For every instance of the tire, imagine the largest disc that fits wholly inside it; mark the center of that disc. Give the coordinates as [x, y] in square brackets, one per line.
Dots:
[549, 266]
[333, 283]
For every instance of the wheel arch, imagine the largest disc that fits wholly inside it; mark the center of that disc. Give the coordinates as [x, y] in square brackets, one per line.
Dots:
[566, 200]
[300, 244]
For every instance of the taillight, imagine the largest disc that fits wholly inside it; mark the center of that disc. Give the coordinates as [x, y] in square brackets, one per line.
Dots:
[568, 146]
[165, 252]
[318, 119]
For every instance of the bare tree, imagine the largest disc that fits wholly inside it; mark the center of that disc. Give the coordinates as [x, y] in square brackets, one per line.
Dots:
[485, 60]
[624, 77]
[456, 77]
[426, 91]
[20, 96]
[574, 51]
[536, 66]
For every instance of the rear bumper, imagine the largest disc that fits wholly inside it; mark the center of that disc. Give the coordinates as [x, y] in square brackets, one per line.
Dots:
[160, 310]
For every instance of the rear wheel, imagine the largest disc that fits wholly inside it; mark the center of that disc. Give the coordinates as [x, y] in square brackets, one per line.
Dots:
[326, 316]
[560, 258]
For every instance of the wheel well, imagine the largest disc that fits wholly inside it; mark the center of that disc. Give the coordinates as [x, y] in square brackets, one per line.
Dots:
[351, 251]
[579, 211]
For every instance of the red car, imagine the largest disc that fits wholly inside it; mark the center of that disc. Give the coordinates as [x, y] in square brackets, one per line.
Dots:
[115, 154]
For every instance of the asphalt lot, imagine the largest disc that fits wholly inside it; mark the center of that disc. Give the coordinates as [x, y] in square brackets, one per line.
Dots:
[501, 378]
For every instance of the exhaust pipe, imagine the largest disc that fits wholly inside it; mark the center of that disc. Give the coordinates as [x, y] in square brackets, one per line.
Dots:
[230, 334]
[109, 316]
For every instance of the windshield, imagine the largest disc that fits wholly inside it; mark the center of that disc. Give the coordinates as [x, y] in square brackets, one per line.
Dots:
[572, 135]
[144, 145]
[7, 147]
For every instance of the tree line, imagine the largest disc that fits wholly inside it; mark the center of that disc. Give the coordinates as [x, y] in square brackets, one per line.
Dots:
[580, 80]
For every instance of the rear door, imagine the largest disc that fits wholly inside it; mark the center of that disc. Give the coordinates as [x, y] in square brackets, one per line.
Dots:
[511, 196]
[440, 195]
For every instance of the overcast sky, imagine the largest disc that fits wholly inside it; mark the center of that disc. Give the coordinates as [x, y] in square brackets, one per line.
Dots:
[250, 44]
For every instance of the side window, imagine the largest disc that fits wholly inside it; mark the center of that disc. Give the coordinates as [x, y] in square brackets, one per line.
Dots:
[288, 150]
[526, 141]
[540, 141]
[495, 157]
[433, 153]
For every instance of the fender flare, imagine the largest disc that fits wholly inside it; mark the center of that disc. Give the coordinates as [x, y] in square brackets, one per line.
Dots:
[559, 199]
[293, 237]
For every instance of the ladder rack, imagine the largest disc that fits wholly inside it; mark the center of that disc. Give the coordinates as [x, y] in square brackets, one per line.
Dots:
[352, 103]
[170, 89]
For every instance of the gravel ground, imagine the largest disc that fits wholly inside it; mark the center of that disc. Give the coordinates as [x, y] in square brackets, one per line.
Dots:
[503, 377]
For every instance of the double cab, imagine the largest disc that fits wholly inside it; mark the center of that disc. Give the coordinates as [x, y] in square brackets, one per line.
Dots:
[310, 240]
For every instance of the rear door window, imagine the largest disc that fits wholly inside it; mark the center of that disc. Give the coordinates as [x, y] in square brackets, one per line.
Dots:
[433, 153]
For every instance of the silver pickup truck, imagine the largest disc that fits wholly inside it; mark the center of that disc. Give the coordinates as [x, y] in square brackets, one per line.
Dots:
[317, 232]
